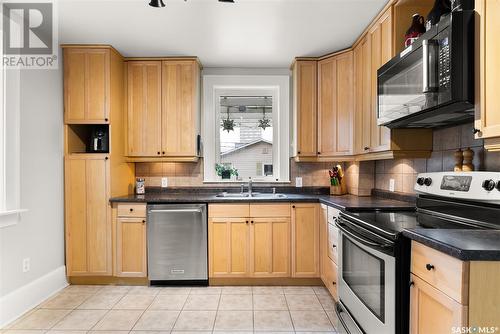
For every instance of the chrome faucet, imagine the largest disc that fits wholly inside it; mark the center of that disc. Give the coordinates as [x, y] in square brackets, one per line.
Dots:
[242, 188]
[250, 188]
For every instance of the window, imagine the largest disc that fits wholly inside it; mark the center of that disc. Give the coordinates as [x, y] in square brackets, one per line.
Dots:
[246, 128]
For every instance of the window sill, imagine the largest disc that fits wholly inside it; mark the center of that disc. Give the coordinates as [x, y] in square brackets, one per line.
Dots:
[3, 214]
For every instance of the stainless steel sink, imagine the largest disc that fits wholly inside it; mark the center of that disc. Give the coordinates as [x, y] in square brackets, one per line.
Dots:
[247, 195]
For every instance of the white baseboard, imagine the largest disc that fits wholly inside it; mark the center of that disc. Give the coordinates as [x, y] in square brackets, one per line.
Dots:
[20, 301]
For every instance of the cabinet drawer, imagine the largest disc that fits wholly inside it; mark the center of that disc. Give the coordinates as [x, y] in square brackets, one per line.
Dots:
[442, 271]
[333, 239]
[229, 210]
[330, 278]
[132, 210]
[269, 210]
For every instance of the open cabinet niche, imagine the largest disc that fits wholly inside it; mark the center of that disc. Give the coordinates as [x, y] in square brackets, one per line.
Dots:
[87, 138]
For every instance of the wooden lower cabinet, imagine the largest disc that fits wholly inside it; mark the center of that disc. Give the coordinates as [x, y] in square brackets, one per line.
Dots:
[131, 258]
[305, 240]
[87, 216]
[432, 311]
[228, 242]
[270, 247]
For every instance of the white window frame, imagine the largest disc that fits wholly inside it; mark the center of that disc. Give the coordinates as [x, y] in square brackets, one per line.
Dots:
[277, 86]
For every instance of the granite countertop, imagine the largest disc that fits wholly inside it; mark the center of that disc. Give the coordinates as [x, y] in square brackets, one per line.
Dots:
[344, 202]
[466, 245]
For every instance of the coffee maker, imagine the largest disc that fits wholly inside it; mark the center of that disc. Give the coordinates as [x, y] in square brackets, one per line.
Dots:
[99, 139]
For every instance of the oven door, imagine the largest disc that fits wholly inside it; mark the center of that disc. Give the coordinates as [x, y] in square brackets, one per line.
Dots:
[367, 281]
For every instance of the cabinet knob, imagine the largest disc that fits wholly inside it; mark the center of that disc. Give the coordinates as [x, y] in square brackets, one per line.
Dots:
[105, 119]
[293, 206]
[475, 131]
[333, 282]
[298, 152]
[251, 222]
[429, 266]
[158, 153]
[163, 152]
[412, 284]
[366, 148]
[143, 221]
[319, 152]
[334, 246]
[247, 222]
[131, 209]
[106, 158]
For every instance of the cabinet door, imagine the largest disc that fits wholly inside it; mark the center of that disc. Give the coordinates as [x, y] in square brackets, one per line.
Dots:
[358, 99]
[270, 247]
[228, 247]
[323, 241]
[431, 311]
[144, 108]
[87, 216]
[366, 128]
[487, 69]
[381, 52]
[305, 240]
[131, 260]
[180, 108]
[335, 105]
[86, 85]
[305, 108]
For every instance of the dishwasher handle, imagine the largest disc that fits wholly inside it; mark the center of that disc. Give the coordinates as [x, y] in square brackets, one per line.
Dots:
[176, 210]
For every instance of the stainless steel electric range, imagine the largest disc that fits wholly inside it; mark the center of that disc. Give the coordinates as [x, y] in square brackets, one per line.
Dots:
[374, 257]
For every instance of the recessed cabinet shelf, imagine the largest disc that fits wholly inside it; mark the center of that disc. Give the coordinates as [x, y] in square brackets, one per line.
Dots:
[87, 138]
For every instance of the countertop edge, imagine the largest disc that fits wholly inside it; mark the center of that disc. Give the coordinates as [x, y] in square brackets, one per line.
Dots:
[458, 253]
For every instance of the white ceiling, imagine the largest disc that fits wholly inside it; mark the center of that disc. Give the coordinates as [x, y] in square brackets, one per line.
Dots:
[248, 33]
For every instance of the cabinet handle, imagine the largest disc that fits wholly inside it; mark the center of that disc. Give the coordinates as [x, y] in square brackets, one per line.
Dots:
[429, 266]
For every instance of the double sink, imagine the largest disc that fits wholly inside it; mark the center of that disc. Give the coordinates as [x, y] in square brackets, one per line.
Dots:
[246, 195]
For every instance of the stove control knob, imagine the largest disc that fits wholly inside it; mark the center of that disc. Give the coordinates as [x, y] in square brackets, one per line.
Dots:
[498, 185]
[420, 181]
[427, 181]
[489, 185]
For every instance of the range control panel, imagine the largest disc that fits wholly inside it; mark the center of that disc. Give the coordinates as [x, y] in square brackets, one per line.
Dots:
[476, 186]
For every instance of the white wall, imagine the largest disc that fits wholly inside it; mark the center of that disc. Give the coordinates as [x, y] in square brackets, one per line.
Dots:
[39, 232]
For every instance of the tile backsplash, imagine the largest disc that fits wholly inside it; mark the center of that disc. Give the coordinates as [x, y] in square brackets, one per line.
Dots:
[361, 177]
[445, 142]
[191, 174]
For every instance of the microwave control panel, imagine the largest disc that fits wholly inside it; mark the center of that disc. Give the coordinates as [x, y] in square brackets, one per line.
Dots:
[444, 63]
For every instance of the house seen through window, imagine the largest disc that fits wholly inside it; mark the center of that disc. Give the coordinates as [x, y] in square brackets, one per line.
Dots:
[245, 137]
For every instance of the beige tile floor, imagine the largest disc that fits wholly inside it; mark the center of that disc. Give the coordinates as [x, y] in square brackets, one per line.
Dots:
[142, 310]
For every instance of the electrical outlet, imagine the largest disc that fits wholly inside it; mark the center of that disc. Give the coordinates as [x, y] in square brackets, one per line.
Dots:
[26, 265]
[391, 184]
[298, 182]
[164, 182]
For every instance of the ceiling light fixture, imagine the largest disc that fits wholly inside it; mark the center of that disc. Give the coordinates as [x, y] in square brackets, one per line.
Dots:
[159, 3]
[156, 3]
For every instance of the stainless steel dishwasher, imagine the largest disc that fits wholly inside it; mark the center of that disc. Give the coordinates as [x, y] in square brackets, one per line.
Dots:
[177, 244]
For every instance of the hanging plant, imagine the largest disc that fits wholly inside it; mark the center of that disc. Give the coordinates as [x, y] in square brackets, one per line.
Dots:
[264, 122]
[228, 124]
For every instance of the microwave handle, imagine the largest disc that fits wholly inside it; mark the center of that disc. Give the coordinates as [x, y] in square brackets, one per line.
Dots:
[428, 84]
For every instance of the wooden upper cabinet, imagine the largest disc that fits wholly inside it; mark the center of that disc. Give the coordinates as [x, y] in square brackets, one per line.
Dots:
[144, 108]
[335, 105]
[86, 85]
[305, 108]
[381, 52]
[88, 231]
[488, 72]
[305, 240]
[180, 107]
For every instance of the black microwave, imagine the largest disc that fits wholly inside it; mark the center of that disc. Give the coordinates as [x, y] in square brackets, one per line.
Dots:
[431, 83]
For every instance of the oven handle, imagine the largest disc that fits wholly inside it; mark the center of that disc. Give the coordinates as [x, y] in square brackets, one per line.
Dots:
[383, 247]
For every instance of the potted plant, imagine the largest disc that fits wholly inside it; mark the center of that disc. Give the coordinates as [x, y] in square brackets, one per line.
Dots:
[225, 172]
